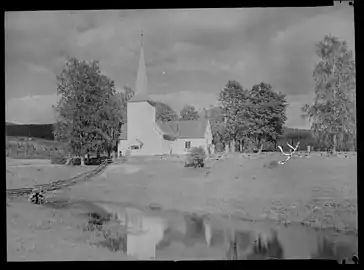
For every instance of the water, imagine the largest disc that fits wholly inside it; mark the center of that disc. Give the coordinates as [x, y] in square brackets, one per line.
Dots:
[172, 235]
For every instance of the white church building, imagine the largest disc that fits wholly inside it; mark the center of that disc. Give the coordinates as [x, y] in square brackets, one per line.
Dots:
[143, 135]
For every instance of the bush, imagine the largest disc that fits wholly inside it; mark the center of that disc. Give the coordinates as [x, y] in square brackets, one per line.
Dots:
[196, 157]
[219, 147]
[58, 159]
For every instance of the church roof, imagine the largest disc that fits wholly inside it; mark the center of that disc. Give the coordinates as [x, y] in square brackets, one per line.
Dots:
[140, 98]
[185, 129]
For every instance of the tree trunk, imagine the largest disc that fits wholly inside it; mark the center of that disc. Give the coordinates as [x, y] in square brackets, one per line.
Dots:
[241, 146]
[334, 144]
[227, 150]
[258, 145]
[82, 161]
[69, 158]
[233, 146]
[260, 149]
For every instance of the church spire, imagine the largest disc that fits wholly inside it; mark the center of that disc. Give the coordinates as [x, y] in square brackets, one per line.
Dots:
[141, 82]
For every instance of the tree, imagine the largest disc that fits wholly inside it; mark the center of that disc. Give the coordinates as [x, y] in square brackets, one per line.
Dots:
[252, 115]
[333, 111]
[164, 112]
[112, 119]
[218, 127]
[236, 110]
[87, 112]
[267, 114]
[189, 112]
[128, 93]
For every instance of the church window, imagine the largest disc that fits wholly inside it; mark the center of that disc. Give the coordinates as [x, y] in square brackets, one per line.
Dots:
[187, 144]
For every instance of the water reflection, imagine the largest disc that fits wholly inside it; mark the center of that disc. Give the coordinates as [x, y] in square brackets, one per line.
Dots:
[143, 234]
[148, 234]
[177, 235]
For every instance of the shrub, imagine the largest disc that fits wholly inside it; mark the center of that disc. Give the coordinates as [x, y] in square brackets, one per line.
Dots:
[196, 157]
[219, 147]
[58, 159]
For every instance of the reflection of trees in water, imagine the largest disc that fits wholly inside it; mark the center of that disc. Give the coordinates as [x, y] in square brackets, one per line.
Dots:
[329, 250]
[195, 232]
[244, 246]
[272, 249]
[195, 227]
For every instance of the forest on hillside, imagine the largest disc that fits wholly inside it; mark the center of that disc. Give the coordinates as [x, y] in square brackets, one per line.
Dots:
[32, 131]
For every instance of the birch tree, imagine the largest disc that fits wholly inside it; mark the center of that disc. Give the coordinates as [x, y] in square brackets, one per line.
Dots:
[333, 111]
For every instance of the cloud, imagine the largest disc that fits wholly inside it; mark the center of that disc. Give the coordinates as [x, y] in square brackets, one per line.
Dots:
[198, 49]
[38, 68]
[38, 109]
[294, 111]
[31, 109]
[294, 50]
[177, 100]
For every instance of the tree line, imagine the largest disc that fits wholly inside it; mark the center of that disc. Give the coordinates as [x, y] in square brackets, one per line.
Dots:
[33, 131]
[90, 112]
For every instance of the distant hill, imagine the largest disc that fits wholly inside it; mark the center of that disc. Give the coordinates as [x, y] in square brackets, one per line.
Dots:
[288, 130]
[45, 131]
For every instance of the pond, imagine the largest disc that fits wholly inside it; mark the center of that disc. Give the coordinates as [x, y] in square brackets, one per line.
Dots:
[171, 235]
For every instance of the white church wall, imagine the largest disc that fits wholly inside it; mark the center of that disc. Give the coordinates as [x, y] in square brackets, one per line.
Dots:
[122, 147]
[179, 146]
[141, 118]
[141, 126]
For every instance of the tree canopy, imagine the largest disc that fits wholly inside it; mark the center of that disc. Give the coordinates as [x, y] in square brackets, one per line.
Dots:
[164, 112]
[88, 111]
[218, 127]
[189, 112]
[254, 115]
[268, 113]
[333, 111]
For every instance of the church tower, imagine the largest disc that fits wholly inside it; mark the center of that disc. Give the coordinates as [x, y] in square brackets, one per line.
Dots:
[141, 86]
[140, 112]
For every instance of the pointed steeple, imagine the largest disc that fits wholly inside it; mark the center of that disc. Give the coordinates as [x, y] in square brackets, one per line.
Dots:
[141, 86]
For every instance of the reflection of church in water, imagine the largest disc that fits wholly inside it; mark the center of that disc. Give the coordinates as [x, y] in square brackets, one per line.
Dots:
[144, 233]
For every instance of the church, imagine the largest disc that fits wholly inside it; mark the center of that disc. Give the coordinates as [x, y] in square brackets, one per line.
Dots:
[142, 135]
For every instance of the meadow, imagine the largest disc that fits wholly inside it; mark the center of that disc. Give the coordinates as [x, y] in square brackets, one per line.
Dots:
[319, 192]
[31, 148]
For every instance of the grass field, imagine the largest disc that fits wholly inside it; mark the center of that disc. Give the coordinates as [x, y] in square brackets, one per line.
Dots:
[27, 173]
[31, 148]
[319, 191]
[243, 186]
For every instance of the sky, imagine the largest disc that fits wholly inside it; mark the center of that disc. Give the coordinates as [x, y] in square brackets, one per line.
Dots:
[190, 54]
